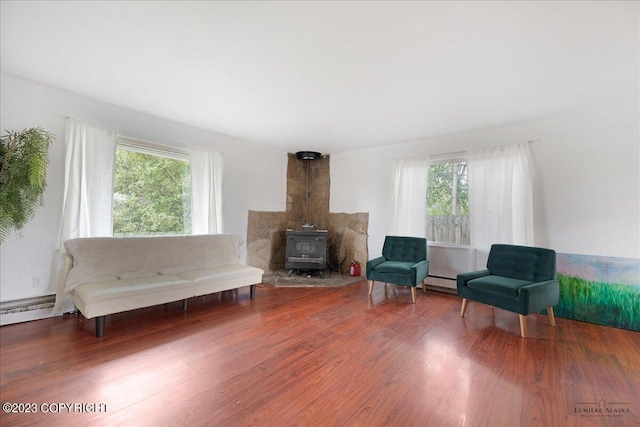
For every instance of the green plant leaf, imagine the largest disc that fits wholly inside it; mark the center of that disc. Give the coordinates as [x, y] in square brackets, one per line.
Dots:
[24, 157]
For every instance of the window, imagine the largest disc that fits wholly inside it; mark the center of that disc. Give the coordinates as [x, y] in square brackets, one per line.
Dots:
[151, 190]
[447, 201]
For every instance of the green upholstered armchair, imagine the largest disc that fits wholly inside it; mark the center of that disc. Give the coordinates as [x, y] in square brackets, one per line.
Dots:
[520, 279]
[403, 262]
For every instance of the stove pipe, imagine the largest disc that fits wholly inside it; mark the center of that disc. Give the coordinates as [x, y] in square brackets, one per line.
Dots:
[308, 155]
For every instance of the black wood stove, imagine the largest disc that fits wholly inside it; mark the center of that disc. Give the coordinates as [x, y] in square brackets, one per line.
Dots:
[306, 251]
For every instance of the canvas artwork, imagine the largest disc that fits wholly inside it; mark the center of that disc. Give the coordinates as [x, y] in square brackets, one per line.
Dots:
[602, 290]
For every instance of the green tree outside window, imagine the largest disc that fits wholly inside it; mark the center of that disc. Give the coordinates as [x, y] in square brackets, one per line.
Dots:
[152, 195]
[448, 203]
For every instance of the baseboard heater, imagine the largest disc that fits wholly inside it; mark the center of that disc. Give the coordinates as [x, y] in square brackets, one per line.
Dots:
[26, 304]
[445, 263]
[442, 284]
[23, 310]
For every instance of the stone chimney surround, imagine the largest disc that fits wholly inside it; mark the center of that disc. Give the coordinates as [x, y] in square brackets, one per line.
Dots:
[308, 186]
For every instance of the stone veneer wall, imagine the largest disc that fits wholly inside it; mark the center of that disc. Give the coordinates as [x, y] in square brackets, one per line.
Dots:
[308, 185]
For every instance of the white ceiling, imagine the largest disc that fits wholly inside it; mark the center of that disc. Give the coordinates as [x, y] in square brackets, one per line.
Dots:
[330, 76]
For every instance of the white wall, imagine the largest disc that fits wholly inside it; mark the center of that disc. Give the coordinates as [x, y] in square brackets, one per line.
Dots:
[587, 192]
[254, 176]
[587, 195]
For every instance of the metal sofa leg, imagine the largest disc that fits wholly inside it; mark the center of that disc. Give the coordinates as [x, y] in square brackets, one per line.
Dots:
[184, 304]
[100, 326]
[252, 291]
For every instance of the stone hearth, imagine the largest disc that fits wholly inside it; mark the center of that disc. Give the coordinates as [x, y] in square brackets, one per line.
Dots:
[308, 186]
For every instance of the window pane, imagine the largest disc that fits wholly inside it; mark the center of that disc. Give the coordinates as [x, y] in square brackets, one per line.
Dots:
[448, 204]
[152, 195]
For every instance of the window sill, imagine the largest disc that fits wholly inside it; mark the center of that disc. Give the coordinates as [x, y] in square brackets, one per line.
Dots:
[447, 245]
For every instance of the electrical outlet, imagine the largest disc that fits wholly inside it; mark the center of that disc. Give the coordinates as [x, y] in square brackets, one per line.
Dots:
[37, 282]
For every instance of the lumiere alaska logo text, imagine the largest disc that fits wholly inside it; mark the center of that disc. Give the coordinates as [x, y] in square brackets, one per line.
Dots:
[602, 409]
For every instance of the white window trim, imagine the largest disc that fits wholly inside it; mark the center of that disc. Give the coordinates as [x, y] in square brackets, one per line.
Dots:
[152, 148]
[457, 157]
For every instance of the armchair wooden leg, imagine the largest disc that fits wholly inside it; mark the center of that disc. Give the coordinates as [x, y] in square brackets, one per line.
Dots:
[413, 294]
[424, 286]
[552, 319]
[464, 306]
[371, 286]
[523, 325]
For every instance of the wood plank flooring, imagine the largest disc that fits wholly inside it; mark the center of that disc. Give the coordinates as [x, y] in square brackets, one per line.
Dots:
[320, 357]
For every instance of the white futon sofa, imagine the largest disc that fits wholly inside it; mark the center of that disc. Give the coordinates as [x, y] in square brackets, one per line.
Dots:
[110, 275]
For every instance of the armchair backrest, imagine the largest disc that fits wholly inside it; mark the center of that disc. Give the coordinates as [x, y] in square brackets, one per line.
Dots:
[522, 262]
[400, 248]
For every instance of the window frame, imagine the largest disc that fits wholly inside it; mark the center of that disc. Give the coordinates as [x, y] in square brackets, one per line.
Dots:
[141, 146]
[151, 148]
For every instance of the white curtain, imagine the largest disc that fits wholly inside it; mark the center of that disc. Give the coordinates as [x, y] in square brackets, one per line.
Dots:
[500, 198]
[206, 190]
[409, 197]
[88, 190]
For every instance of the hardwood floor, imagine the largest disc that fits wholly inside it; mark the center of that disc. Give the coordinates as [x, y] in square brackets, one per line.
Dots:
[321, 357]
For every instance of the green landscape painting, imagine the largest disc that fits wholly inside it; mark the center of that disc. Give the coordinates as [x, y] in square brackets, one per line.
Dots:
[600, 290]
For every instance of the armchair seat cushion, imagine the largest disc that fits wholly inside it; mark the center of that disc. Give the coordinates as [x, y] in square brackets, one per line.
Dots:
[498, 284]
[395, 267]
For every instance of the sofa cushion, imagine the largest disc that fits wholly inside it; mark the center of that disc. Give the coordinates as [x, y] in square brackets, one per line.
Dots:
[499, 285]
[222, 273]
[209, 281]
[91, 293]
[395, 267]
[126, 275]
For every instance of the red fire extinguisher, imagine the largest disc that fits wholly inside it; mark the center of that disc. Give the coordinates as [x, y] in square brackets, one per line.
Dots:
[352, 268]
[357, 269]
